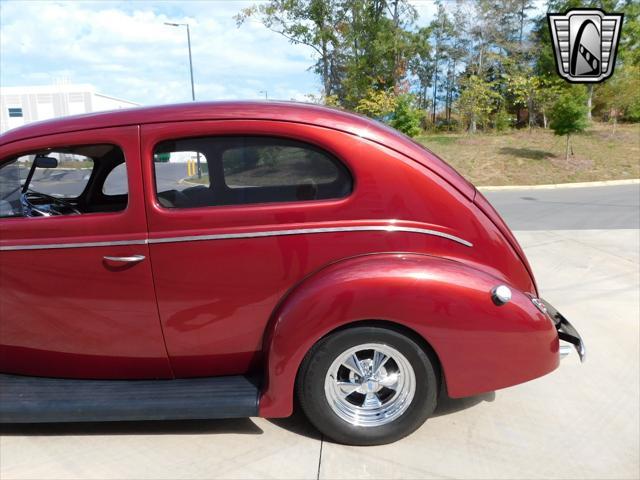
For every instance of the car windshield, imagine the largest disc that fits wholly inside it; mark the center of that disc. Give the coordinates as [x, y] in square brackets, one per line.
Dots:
[10, 185]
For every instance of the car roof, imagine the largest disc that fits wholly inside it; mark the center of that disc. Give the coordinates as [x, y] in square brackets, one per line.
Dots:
[248, 110]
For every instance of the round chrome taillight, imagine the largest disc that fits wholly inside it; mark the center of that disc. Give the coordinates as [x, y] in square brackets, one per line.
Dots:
[501, 294]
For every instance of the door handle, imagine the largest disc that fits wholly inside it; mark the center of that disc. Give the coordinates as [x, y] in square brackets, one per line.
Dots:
[130, 259]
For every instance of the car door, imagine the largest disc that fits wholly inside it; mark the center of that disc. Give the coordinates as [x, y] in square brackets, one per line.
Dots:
[218, 268]
[76, 291]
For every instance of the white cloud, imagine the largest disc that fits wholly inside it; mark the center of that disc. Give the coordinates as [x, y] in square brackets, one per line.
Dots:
[125, 50]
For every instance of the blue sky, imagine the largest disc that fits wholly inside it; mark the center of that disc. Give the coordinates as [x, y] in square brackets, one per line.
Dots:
[125, 50]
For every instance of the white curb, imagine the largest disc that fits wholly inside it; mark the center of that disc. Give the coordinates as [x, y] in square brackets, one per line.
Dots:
[605, 183]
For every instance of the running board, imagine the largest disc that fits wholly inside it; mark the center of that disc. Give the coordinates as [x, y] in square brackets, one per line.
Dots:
[39, 400]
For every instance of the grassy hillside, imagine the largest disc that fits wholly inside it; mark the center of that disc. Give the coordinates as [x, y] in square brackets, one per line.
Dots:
[524, 158]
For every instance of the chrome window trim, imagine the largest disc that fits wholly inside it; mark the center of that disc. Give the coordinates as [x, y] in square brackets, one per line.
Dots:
[230, 236]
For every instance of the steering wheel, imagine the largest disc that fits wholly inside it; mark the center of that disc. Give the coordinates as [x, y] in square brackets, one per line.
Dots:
[32, 208]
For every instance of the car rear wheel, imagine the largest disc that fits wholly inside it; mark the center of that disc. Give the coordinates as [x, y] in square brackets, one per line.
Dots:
[367, 385]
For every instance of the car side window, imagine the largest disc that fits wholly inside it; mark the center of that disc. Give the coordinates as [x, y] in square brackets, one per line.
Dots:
[211, 171]
[61, 181]
[10, 205]
[67, 179]
[116, 181]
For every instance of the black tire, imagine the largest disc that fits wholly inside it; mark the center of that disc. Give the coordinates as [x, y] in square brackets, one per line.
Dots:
[313, 400]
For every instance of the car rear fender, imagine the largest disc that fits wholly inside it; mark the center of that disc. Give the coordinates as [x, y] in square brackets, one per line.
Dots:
[481, 346]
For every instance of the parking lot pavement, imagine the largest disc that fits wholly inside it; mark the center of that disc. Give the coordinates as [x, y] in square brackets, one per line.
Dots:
[581, 421]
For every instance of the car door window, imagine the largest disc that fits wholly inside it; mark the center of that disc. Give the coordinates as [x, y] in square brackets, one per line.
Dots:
[116, 181]
[245, 170]
[10, 205]
[63, 181]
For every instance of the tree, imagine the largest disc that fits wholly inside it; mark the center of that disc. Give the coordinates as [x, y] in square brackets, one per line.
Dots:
[456, 52]
[306, 22]
[378, 104]
[619, 96]
[569, 115]
[329, 101]
[497, 40]
[630, 34]
[535, 92]
[421, 65]
[548, 93]
[483, 59]
[476, 101]
[525, 89]
[441, 29]
[378, 42]
[403, 15]
[523, 7]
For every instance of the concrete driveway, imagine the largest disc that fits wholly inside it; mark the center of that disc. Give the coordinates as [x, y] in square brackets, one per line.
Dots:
[582, 421]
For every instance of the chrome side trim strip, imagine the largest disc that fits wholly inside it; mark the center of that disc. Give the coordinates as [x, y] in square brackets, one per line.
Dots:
[301, 231]
[229, 236]
[72, 245]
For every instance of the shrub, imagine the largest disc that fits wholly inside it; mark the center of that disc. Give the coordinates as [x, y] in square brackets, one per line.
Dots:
[502, 120]
[407, 117]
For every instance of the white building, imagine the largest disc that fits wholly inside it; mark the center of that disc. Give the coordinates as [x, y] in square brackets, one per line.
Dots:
[22, 105]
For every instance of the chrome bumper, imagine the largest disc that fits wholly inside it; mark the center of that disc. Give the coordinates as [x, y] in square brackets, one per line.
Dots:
[566, 332]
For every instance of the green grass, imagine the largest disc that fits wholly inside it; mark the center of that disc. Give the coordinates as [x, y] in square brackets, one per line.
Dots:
[521, 157]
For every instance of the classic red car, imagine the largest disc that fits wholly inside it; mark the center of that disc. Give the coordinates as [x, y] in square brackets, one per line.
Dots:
[214, 260]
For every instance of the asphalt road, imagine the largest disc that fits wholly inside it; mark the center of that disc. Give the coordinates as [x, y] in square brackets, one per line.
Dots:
[606, 207]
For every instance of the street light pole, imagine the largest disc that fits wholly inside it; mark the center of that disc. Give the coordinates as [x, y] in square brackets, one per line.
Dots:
[193, 91]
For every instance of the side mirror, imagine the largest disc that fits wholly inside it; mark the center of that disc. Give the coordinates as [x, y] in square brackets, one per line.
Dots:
[45, 162]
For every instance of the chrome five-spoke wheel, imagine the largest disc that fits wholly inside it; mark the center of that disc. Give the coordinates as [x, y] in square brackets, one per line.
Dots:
[370, 385]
